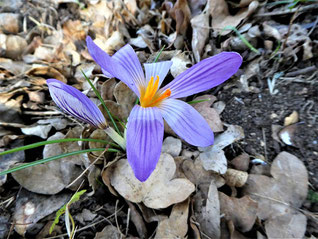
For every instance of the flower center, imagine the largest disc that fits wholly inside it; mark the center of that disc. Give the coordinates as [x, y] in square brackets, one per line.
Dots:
[151, 97]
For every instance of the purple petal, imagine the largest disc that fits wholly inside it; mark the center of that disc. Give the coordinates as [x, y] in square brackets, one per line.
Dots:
[124, 65]
[75, 103]
[205, 75]
[160, 69]
[144, 140]
[186, 122]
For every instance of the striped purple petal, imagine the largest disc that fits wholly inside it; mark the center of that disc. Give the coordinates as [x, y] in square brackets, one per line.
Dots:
[124, 65]
[160, 69]
[186, 122]
[144, 140]
[75, 103]
[205, 75]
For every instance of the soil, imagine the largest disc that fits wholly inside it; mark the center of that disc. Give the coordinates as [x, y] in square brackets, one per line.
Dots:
[256, 113]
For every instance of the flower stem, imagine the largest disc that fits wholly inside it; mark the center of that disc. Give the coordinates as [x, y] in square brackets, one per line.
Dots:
[118, 139]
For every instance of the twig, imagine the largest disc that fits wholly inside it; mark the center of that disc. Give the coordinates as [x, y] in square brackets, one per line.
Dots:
[265, 148]
[127, 225]
[289, 27]
[88, 167]
[301, 71]
[288, 11]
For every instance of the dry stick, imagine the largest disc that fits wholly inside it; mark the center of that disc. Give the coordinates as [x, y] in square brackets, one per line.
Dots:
[289, 27]
[116, 220]
[287, 11]
[265, 148]
[88, 226]
[128, 219]
[107, 147]
[301, 71]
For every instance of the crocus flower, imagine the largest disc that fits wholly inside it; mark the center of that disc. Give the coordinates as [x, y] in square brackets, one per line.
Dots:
[145, 126]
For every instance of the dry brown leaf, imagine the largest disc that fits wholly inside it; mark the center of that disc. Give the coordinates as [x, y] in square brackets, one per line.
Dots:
[200, 31]
[31, 207]
[73, 31]
[291, 119]
[14, 46]
[208, 113]
[235, 178]
[137, 219]
[181, 14]
[176, 226]
[159, 191]
[242, 211]
[49, 72]
[194, 171]
[108, 232]
[213, 157]
[54, 176]
[279, 196]
[241, 162]
[288, 225]
[9, 23]
[208, 216]
[222, 18]
[180, 63]
[171, 146]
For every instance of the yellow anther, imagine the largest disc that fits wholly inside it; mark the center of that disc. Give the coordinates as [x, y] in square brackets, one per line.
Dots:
[150, 97]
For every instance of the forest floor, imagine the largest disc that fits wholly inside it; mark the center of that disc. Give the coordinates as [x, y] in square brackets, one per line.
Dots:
[259, 180]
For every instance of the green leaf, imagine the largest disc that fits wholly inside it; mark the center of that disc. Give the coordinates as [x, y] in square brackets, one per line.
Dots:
[312, 196]
[103, 103]
[35, 145]
[197, 101]
[157, 57]
[61, 211]
[37, 162]
[243, 39]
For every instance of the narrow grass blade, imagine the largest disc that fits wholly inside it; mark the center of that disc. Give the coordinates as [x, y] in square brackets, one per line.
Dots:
[35, 145]
[197, 101]
[103, 103]
[37, 162]
[157, 57]
[243, 39]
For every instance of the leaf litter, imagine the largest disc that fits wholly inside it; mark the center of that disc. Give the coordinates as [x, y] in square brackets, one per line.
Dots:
[219, 191]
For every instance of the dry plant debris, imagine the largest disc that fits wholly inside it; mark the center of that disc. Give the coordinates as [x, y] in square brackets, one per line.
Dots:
[252, 183]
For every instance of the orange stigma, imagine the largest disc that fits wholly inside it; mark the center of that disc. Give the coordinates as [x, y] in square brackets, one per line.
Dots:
[150, 97]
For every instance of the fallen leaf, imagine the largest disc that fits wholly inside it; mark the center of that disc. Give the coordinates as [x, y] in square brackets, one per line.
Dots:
[241, 211]
[279, 196]
[235, 178]
[9, 22]
[288, 225]
[14, 46]
[208, 216]
[159, 191]
[181, 14]
[171, 146]
[222, 18]
[241, 162]
[52, 177]
[108, 232]
[8, 160]
[200, 31]
[208, 113]
[213, 157]
[180, 63]
[291, 119]
[176, 225]
[38, 130]
[31, 207]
